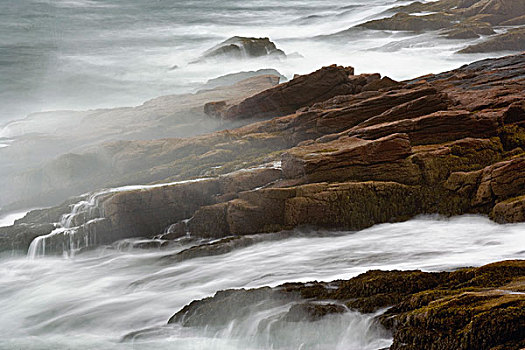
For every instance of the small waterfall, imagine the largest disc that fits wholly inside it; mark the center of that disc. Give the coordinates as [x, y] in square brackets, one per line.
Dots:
[73, 232]
[265, 329]
[77, 229]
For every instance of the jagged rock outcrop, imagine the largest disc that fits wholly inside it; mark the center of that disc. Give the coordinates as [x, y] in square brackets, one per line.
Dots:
[450, 143]
[474, 308]
[288, 97]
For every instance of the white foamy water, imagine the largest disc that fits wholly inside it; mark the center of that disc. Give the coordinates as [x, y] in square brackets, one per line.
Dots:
[96, 298]
[89, 212]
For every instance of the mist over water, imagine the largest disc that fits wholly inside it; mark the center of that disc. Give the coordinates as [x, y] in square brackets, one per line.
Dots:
[95, 299]
[87, 54]
[83, 54]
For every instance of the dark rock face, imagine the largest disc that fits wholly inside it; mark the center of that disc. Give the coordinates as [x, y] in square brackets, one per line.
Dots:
[17, 238]
[241, 48]
[476, 308]
[227, 305]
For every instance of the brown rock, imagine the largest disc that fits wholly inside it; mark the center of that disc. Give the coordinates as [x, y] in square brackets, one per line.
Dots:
[411, 109]
[383, 84]
[469, 30]
[248, 179]
[497, 11]
[501, 181]
[437, 127]
[513, 40]
[340, 119]
[344, 153]
[404, 21]
[511, 210]
[214, 109]
[303, 91]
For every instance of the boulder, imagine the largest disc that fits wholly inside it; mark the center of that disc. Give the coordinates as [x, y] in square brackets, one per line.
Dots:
[501, 181]
[510, 210]
[242, 48]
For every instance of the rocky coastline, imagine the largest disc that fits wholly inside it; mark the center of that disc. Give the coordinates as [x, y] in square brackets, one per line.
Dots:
[331, 150]
[358, 150]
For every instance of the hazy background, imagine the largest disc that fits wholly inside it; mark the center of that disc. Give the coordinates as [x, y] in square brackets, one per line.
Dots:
[81, 54]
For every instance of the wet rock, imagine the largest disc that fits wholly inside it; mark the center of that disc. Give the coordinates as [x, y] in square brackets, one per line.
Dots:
[412, 109]
[312, 312]
[382, 84]
[513, 40]
[343, 118]
[17, 238]
[223, 246]
[141, 244]
[501, 181]
[458, 19]
[496, 11]
[404, 21]
[226, 305]
[474, 308]
[515, 114]
[510, 210]
[242, 48]
[469, 30]
[516, 21]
